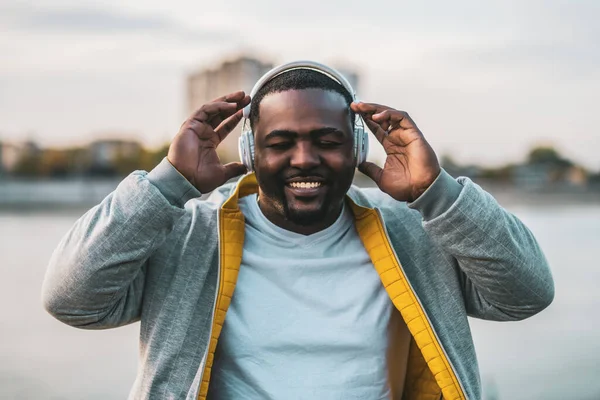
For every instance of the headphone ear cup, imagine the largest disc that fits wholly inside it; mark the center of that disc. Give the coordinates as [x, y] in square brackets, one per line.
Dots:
[361, 144]
[246, 149]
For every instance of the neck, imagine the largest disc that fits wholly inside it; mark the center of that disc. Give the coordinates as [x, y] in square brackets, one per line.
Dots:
[277, 217]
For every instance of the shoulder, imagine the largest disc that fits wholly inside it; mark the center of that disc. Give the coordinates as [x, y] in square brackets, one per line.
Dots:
[389, 208]
[218, 196]
[204, 209]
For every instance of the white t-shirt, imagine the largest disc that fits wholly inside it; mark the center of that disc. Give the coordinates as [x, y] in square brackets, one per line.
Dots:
[308, 318]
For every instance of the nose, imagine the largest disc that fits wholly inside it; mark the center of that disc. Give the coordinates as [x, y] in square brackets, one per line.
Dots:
[304, 156]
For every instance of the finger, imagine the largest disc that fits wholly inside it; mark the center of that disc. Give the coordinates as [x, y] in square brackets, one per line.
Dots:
[371, 170]
[376, 129]
[387, 120]
[396, 119]
[244, 102]
[385, 116]
[228, 125]
[368, 108]
[201, 130]
[385, 125]
[392, 116]
[218, 119]
[210, 110]
[231, 97]
[234, 169]
[241, 101]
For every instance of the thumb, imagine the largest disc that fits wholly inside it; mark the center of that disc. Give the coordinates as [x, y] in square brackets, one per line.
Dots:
[371, 170]
[233, 169]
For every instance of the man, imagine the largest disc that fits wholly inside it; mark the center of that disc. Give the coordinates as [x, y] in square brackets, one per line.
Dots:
[291, 284]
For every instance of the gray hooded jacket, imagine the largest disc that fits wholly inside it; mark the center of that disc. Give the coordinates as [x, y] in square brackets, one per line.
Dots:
[154, 252]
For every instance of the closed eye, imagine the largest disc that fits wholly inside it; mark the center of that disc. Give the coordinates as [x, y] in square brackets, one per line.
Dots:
[280, 145]
[327, 143]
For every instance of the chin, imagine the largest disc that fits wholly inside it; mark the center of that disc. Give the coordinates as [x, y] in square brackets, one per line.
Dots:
[304, 216]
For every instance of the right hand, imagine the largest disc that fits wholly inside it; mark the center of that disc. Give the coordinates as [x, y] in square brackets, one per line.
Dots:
[193, 152]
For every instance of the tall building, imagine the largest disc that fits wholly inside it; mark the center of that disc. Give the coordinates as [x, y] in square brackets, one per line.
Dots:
[232, 75]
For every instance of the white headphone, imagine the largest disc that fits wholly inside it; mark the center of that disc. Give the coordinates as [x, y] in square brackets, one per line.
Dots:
[246, 141]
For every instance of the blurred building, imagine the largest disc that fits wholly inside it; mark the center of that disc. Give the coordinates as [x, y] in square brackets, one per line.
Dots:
[456, 170]
[238, 74]
[105, 152]
[230, 76]
[532, 176]
[104, 156]
[540, 176]
[9, 156]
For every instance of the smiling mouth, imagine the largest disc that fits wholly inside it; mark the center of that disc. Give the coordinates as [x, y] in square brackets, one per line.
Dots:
[305, 188]
[305, 185]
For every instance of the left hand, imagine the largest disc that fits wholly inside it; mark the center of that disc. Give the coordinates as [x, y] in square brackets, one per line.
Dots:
[411, 165]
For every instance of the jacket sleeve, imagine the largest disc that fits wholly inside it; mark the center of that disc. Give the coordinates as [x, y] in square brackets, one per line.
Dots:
[504, 274]
[95, 278]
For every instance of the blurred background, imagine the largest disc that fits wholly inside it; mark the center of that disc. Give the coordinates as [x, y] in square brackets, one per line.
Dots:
[505, 91]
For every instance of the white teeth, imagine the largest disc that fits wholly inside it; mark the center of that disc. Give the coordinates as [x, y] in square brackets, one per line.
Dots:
[305, 185]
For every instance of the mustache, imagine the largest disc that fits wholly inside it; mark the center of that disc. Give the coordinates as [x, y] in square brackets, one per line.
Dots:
[303, 174]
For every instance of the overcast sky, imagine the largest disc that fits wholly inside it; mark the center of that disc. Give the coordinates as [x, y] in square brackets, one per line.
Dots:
[484, 81]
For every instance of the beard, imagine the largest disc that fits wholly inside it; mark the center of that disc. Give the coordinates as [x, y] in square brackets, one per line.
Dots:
[307, 217]
[280, 202]
[316, 210]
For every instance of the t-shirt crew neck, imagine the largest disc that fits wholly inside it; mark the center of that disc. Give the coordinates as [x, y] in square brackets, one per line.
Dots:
[255, 216]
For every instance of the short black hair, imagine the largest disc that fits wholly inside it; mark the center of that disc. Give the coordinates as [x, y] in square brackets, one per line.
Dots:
[298, 79]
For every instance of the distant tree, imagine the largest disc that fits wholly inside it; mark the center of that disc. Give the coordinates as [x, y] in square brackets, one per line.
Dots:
[447, 162]
[501, 174]
[156, 156]
[126, 162]
[594, 179]
[54, 163]
[144, 159]
[28, 165]
[77, 160]
[29, 162]
[548, 155]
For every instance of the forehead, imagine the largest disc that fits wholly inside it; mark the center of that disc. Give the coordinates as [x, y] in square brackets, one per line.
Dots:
[302, 111]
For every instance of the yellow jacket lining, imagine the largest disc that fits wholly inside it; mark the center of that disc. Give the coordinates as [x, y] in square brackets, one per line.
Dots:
[428, 372]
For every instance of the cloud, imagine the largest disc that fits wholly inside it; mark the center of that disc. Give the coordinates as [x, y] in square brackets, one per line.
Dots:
[87, 20]
[555, 60]
[543, 40]
[95, 21]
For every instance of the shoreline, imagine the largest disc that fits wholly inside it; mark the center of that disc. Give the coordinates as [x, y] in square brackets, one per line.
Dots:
[79, 196]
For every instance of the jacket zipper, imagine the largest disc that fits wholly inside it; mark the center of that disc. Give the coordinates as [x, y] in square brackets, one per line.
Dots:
[421, 304]
[212, 318]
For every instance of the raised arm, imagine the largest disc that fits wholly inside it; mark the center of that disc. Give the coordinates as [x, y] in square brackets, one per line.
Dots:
[96, 275]
[505, 275]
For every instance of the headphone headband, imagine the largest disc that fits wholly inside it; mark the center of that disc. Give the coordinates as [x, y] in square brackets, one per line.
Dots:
[324, 69]
[246, 140]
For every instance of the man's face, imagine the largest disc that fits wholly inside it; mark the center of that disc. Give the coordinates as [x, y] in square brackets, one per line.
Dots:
[304, 160]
